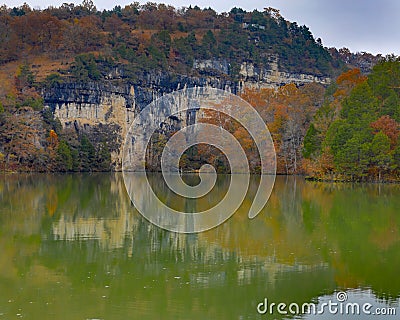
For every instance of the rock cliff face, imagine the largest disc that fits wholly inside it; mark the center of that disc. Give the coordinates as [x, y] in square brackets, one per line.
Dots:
[253, 76]
[100, 109]
[273, 78]
[105, 109]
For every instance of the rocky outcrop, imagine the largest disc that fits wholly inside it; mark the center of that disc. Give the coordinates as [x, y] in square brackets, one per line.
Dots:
[108, 107]
[251, 75]
[212, 66]
[98, 108]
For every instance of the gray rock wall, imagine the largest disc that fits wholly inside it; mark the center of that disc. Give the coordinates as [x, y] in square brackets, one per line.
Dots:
[111, 105]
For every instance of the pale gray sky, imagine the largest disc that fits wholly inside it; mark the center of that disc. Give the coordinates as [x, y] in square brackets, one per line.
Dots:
[360, 25]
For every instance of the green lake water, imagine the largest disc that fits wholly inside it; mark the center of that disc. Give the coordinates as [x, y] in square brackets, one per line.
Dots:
[74, 247]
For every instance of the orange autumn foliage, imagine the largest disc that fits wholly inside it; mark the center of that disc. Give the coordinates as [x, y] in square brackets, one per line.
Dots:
[389, 127]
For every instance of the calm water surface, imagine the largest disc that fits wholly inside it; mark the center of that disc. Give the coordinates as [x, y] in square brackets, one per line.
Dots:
[73, 247]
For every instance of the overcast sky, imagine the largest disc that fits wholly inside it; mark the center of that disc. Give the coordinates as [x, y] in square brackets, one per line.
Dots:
[360, 25]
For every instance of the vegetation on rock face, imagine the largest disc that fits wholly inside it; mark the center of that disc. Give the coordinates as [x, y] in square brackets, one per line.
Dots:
[348, 131]
[287, 111]
[355, 135]
[31, 139]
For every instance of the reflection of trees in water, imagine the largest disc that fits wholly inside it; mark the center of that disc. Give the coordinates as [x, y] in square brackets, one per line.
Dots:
[348, 233]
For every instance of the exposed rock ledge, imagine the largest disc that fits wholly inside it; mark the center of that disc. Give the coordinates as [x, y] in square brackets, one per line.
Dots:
[110, 108]
[261, 77]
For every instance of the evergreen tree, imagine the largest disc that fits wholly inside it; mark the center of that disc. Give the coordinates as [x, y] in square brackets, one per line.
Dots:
[85, 68]
[64, 157]
[103, 158]
[87, 154]
[380, 153]
[312, 142]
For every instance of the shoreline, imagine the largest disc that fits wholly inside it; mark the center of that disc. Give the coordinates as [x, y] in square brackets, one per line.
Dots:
[305, 177]
[344, 180]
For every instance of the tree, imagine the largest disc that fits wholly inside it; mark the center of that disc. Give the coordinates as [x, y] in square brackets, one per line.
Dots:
[89, 6]
[361, 106]
[114, 25]
[288, 113]
[24, 78]
[64, 157]
[362, 131]
[85, 68]
[103, 158]
[312, 142]
[53, 139]
[87, 154]
[396, 157]
[208, 45]
[385, 83]
[353, 158]
[293, 111]
[380, 149]
[52, 147]
[49, 122]
[162, 40]
[388, 126]
[335, 94]
[53, 79]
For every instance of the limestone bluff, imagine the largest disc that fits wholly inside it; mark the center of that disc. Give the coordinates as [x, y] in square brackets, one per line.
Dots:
[104, 109]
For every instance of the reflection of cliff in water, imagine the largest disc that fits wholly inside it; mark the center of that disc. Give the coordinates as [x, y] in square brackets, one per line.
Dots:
[305, 226]
[94, 212]
[311, 237]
